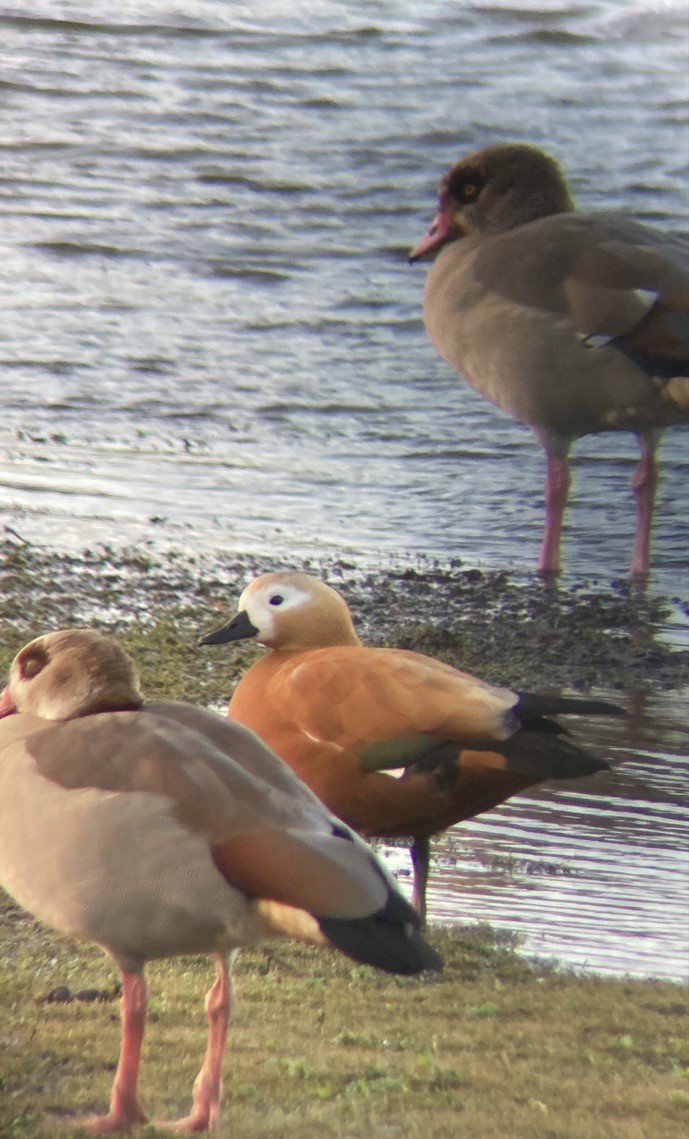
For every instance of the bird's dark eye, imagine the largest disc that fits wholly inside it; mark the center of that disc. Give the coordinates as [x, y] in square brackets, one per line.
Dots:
[464, 187]
[276, 599]
[32, 661]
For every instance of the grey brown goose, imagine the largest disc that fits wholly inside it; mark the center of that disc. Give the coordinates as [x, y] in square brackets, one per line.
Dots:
[572, 322]
[161, 829]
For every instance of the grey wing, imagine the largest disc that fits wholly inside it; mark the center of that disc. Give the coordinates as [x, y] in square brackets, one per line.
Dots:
[211, 789]
[241, 745]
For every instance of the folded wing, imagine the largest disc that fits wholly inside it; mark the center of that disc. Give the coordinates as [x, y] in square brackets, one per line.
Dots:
[356, 697]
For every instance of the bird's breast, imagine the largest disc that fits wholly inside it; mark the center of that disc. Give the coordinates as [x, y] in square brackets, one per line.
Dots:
[112, 867]
[533, 362]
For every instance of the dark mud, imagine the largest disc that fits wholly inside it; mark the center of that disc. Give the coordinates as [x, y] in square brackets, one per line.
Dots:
[521, 632]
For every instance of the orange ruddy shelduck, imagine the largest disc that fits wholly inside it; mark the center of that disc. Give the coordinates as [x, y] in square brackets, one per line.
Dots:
[161, 829]
[572, 322]
[341, 715]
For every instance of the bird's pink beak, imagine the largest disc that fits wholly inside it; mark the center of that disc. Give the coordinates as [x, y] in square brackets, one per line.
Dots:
[7, 704]
[437, 234]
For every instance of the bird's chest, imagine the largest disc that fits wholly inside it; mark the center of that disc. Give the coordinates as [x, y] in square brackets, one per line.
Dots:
[37, 846]
[525, 358]
[111, 867]
[484, 335]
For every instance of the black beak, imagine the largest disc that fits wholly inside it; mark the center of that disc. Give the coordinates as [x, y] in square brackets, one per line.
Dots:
[239, 628]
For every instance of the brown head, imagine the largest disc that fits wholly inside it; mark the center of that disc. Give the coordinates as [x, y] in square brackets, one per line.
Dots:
[288, 611]
[494, 190]
[70, 673]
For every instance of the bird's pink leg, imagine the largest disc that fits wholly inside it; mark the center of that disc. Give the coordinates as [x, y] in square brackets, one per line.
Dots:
[644, 485]
[557, 480]
[420, 858]
[125, 1111]
[205, 1111]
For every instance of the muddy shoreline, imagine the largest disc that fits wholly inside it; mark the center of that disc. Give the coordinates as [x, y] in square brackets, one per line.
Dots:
[580, 635]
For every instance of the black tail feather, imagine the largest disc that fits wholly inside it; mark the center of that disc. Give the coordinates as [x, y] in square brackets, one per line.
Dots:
[532, 705]
[543, 755]
[388, 939]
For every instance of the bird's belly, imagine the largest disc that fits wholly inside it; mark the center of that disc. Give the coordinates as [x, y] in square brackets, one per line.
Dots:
[534, 364]
[134, 880]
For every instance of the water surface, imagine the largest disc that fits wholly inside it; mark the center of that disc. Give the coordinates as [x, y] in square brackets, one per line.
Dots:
[591, 872]
[212, 338]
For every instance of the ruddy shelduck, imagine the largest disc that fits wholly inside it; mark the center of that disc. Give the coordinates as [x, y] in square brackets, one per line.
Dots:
[343, 715]
[159, 829]
[572, 322]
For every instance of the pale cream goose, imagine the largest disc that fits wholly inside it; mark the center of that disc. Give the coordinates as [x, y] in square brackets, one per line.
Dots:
[340, 713]
[572, 322]
[160, 829]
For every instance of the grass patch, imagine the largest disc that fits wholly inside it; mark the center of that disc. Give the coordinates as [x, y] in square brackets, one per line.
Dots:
[324, 1048]
[495, 1048]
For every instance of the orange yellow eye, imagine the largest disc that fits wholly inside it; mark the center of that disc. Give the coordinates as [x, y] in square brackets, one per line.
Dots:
[464, 186]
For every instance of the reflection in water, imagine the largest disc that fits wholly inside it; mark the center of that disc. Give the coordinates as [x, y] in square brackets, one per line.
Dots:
[595, 872]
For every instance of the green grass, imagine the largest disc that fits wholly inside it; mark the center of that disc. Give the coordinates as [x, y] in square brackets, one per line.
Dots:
[495, 1048]
[321, 1048]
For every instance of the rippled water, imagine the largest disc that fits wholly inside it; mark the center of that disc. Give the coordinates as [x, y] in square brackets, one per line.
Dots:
[594, 872]
[212, 336]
